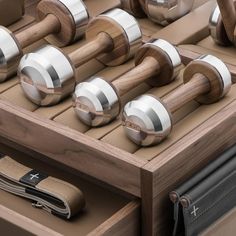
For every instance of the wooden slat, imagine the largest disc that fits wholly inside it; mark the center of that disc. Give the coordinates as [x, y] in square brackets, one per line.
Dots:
[178, 163]
[71, 148]
[194, 26]
[124, 222]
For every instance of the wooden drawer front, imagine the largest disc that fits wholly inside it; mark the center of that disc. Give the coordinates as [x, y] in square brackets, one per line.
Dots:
[124, 222]
[106, 213]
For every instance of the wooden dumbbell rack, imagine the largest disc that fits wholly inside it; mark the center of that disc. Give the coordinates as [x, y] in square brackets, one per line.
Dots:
[147, 175]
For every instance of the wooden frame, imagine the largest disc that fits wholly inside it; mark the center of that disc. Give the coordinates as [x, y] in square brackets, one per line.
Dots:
[23, 127]
[150, 180]
[179, 162]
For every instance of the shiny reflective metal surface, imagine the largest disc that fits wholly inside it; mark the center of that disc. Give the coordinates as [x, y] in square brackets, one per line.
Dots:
[169, 49]
[226, 79]
[213, 23]
[46, 76]
[79, 13]
[10, 54]
[172, 53]
[146, 121]
[167, 11]
[217, 29]
[130, 26]
[96, 102]
[168, 59]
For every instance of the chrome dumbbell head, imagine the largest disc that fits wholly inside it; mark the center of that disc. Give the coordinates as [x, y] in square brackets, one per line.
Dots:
[166, 11]
[167, 56]
[217, 29]
[10, 54]
[123, 29]
[146, 120]
[216, 72]
[96, 102]
[72, 26]
[52, 76]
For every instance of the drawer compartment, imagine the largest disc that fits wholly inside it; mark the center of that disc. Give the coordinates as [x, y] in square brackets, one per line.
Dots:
[106, 213]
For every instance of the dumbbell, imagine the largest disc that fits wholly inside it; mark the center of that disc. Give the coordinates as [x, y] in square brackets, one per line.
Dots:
[147, 120]
[63, 21]
[161, 12]
[222, 23]
[48, 75]
[97, 102]
[165, 12]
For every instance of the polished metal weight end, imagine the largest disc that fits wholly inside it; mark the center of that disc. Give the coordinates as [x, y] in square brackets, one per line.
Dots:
[217, 29]
[46, 76]
[168, 58]
[216, 72]
[80, 15]
[96, 102]
[10, 54]
[165, 12]
[146, 120]
[125, 32]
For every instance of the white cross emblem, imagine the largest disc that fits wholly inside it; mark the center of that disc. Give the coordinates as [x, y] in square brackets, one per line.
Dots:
[194, 212]
[34, 176]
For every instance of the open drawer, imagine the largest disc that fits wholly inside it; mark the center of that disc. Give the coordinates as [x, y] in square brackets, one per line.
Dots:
[106, 213]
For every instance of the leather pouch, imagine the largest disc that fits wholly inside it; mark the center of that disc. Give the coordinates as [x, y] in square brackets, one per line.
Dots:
[206, 197]
[11, 11]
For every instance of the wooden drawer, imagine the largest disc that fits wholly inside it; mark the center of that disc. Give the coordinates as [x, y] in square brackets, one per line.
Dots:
[106, 213]
[105, 153]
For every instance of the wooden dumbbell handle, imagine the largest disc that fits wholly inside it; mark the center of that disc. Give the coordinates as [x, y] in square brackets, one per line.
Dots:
[197, 86]
[50, 24]
[101, 44]
[149, 67]
[228, 14]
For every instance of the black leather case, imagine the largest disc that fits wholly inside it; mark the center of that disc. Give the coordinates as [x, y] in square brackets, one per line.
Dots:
[206, 197]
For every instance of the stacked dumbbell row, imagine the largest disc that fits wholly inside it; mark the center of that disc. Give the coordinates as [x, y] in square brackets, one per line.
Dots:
[114, 36]
[64, 21]
[48, 75]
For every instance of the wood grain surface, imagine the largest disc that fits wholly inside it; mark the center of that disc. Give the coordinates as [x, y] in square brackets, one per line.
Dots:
[48, 25]
[179, 162]
[195, 129]
[228, 14]
[197, 86]
[147, 69]
[65, 34]
[102, 43]
[79, 149]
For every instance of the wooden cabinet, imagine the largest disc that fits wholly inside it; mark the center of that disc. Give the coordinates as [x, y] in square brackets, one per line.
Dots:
[200, 134]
